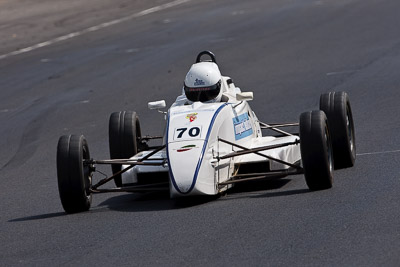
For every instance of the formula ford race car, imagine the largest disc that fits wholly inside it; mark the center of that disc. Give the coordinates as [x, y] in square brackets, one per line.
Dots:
[212, 141]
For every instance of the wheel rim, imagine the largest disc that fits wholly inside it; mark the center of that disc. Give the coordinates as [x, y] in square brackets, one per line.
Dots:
[87, 175]
[350, 130]
[329, 149]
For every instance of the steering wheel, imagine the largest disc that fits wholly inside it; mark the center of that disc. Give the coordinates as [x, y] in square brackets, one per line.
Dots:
[208, 53]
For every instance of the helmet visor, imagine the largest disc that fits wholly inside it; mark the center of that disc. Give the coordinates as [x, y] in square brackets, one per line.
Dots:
[202, 94]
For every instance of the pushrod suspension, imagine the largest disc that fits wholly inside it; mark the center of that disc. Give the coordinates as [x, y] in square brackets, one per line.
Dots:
[275, 127]
[260, 176]
[131, 163]
[256, 151]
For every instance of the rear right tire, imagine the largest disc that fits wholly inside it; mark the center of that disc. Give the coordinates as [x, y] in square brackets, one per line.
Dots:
[124, 138]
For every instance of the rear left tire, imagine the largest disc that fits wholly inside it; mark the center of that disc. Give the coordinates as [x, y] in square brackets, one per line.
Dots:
[337, 108]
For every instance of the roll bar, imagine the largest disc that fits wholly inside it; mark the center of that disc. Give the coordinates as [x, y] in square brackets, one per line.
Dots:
[209, 53]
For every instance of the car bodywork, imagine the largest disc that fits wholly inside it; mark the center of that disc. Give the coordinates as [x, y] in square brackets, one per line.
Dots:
[208, 147]
[202, 141]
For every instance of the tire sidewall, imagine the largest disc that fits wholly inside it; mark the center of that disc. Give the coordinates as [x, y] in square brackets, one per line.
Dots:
[316, 150]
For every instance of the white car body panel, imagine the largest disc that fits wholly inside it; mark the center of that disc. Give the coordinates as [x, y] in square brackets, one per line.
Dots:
[192, 144]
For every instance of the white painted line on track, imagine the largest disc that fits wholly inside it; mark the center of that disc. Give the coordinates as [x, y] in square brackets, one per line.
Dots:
[95, 28]
[341, 72]
[379, 152]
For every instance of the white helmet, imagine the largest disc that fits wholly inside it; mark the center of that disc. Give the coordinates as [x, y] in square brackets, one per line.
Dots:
[203, 82]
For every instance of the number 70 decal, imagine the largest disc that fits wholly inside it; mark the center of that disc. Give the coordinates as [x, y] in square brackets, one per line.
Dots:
[187, 132]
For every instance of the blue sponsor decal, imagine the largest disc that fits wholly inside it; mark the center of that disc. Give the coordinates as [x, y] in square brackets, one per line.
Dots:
[242, 126]
[198, 82]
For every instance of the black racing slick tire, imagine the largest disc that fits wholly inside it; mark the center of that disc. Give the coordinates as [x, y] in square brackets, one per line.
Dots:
[336, 106]
[316, 150]
[124, 138]
[74, 176]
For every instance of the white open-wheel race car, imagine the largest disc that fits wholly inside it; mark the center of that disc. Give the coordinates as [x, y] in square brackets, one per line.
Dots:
[212, 141]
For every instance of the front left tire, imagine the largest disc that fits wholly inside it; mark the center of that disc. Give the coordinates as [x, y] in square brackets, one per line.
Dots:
[316, 150]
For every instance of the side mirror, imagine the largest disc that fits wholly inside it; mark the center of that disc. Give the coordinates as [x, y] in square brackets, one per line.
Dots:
[157, 104]
[244, 96]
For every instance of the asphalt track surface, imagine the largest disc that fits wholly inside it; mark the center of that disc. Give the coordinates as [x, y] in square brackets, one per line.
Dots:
[287, 52]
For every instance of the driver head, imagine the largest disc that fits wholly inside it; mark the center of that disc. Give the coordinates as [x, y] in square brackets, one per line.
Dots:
[203, 83]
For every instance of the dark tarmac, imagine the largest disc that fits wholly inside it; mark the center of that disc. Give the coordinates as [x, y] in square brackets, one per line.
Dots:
[287, 52]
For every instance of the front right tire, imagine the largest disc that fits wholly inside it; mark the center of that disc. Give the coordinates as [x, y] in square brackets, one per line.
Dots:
[73, 174]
